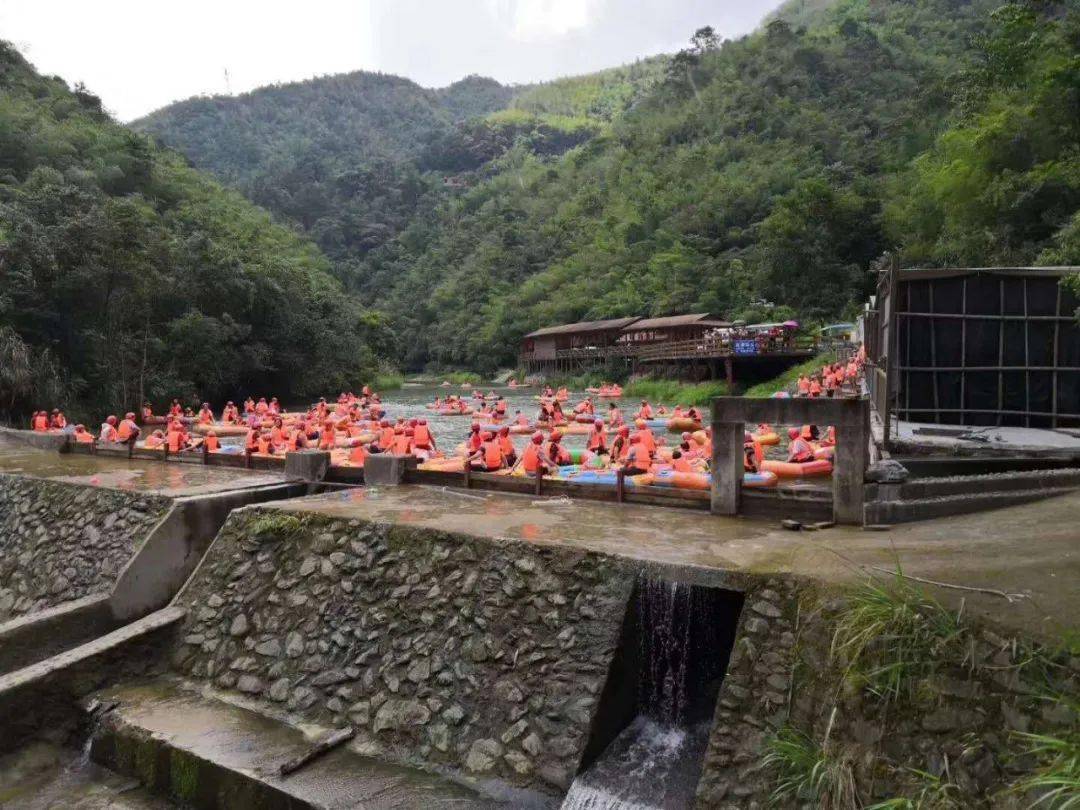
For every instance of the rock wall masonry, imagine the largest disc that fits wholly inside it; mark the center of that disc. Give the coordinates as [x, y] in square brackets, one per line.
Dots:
[60, 542]
[461, 654]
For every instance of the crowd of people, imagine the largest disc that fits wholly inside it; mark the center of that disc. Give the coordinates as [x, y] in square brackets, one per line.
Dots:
[355, 426]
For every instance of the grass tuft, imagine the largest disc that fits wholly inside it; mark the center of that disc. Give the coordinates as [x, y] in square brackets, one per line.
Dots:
[931, 793]
[1055, 784]
[809, 772]
[893, 635]
[276, 527]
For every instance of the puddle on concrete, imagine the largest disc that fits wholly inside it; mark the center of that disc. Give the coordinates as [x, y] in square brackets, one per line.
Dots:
[42, 776]
[172, 478]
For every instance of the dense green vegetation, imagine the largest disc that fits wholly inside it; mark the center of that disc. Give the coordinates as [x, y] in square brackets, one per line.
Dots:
[754, 178]
[125, 275]
[674, 392]
[787, 380]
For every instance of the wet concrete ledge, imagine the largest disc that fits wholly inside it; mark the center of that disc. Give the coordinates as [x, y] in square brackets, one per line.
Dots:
[208, 753]
[43, 697]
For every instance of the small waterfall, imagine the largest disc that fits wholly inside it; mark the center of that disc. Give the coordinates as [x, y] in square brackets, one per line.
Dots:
[654, 762]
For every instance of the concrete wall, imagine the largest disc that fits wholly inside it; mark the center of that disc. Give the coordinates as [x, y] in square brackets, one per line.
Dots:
[479, 657]
[61, 542]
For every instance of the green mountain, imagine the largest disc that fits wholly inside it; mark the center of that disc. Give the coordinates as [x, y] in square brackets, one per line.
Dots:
[756, 178]
[125, 274]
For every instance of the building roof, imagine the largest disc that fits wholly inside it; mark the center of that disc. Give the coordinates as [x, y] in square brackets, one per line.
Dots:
[582, 327]
[699, 319]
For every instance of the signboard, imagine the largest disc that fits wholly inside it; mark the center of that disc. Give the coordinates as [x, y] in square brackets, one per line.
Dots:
[746, 346]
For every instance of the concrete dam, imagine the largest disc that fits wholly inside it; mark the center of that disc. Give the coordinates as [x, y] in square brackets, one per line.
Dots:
[176, 636]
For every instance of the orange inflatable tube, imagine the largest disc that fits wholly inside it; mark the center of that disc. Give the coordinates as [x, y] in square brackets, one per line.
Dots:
[787, 469]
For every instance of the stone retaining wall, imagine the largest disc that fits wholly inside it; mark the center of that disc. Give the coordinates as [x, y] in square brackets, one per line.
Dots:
[480, 657]
[60, 542]
[959, 724]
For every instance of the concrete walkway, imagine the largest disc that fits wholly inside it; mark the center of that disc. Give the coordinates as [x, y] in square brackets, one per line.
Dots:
[1032, 550]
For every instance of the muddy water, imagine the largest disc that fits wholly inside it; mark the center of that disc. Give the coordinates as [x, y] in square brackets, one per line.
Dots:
[155, 477]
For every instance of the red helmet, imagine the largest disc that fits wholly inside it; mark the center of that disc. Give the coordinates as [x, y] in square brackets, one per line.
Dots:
[423, 421]
[409, 431]
[624, 430]
[414, 422]
[598, 423]
[475, 427]
[384, 423]
[504, 431]
[111, 420]
[793, 433]
[538, 438]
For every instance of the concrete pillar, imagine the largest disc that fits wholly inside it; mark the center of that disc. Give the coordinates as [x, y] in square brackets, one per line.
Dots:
[310, 465]
[850, 461]
[384, 469]
[727, 466]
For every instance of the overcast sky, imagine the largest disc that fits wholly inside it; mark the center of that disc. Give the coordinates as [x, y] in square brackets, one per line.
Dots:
[138, 55]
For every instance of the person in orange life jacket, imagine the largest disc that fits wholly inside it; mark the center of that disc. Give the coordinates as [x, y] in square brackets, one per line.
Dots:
[500, 406]
[557, 415]
[506, 446]
[277, 434]
[261, 407]
[251, 441]
[206, 416]
[108, 430]
[57, 421]
[154, 440]
[646, 436]
[637, 458]
[275, 406]
[422, 437]
[229, 416]
[533, 458]
[679, 462]
[815, 386]
[175, 438]
[83, 435]
[128, 429]
[249, 406]
[620, 446]
[385, 437]
[693, 413]
[597, 440]
[211, 442]
[475, 440]
[488, 457]
[614, 415]
[264, 445]
[810, 433]
[521, 419]
[39, 422]
[358, 455]
[677, 413]
[327, 436]
[752, 454]
[545, 413]
[175, 409]
[402, 442]
[556, 452]
[799, 449]
[804, 386]
[645, 411]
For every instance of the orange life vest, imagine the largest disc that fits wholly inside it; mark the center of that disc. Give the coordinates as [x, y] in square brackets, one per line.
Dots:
[681, 465]
[493, 456]
[402, 445]
[175, 440]
[127, 427]
[422, 437]
[357, 456]
[41, 423]
[530, 458]
[506, 446]
[597, 440]
[212, 443]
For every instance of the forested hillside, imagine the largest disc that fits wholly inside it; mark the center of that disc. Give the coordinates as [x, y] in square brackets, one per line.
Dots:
[754, 178]
[125, 275]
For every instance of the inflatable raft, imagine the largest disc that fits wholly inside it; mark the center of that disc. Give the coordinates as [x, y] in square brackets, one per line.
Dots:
[767, 439]
[787, 469]
[221, 430]
[703, 481]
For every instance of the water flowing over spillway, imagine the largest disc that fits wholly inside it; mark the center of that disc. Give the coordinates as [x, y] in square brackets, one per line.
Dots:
[654, 763]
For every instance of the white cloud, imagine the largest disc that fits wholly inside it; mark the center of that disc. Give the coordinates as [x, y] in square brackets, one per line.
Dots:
[537, 20]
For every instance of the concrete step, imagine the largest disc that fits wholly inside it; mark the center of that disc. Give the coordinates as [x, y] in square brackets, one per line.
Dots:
[995, 482]
[207, 753]
[927, 508]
